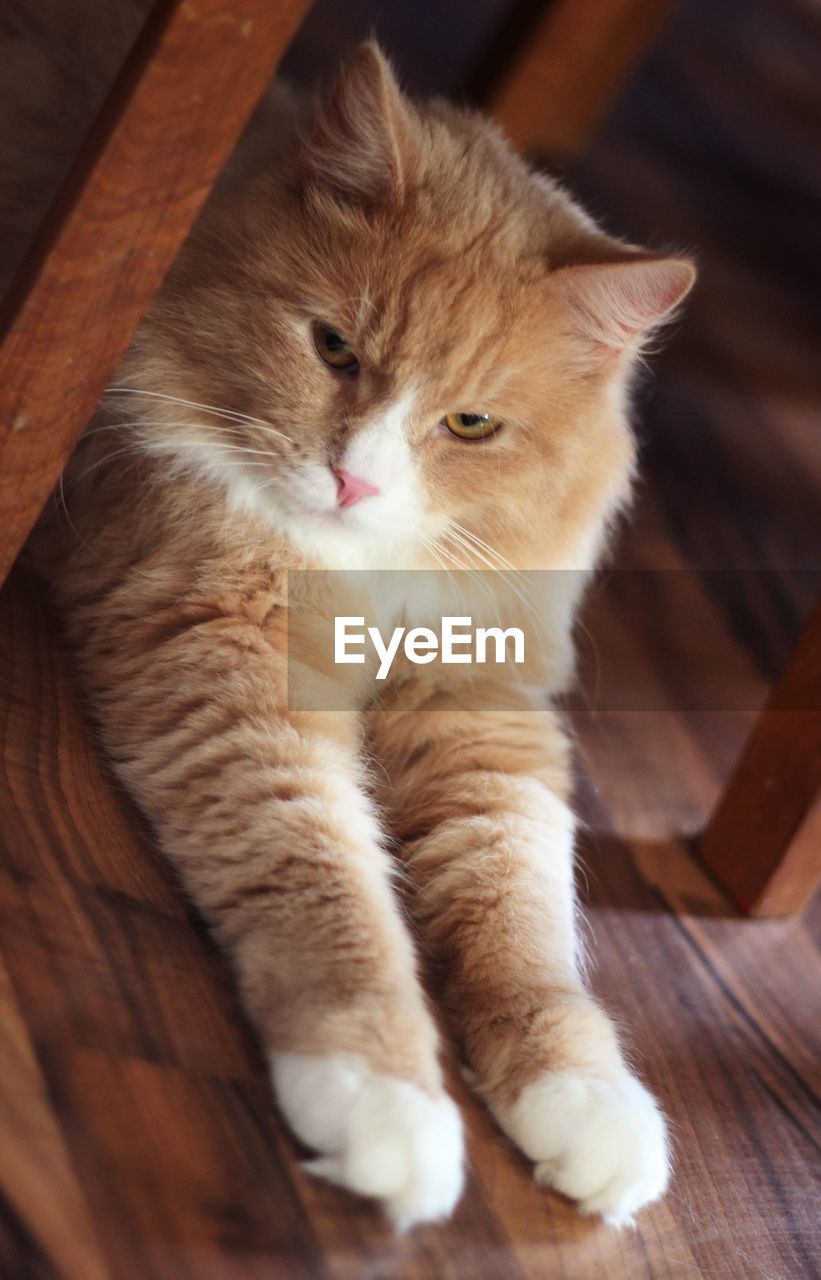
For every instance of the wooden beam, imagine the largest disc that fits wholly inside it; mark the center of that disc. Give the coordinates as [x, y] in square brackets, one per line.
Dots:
[763, 842]
[172, 117]
[568, 68]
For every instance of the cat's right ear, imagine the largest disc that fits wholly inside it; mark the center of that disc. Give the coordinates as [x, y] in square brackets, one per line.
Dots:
[359, 142]
[617, 304]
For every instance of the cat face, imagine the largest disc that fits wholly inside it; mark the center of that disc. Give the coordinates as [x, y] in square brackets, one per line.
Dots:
[421, 345]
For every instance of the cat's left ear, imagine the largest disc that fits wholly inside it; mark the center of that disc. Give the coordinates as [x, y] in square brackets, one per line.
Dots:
[616, 304]
[360, 141]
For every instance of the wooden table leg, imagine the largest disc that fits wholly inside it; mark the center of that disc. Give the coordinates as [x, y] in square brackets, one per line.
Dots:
[174, 113]
[569, 67]
[764, 840]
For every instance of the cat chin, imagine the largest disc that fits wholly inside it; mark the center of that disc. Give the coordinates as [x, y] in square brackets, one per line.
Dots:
[331, 543]
[376, 1135]
[348, 539]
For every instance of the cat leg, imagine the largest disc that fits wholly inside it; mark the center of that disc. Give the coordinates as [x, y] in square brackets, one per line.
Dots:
[266, 818]
[480, 801]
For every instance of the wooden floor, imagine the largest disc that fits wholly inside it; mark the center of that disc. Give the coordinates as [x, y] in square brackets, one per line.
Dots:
[138, 1138]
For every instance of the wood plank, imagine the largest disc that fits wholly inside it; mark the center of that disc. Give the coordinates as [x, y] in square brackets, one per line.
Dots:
[764, 840]
[567, 70]
[659, 663]
[169, 123]
[35, 1174]
[713, 1014]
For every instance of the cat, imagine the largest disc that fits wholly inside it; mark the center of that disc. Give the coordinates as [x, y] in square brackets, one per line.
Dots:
[386, 341]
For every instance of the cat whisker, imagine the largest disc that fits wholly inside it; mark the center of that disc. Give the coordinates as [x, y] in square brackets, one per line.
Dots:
[438, 552]
[473, 537]
[503, 566]
[161, 422]
[131, 424]
[231, 414]
[135, 447]
[462, 537]
[132, 447]
[245, 449]
[475, 574]
[224, 429]
[221, 411]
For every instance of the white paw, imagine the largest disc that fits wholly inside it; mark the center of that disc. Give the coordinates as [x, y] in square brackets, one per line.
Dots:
[599, 1139]
[377, 1135]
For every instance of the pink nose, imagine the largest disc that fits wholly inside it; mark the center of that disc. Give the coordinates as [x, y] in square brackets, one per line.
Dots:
[350, 489]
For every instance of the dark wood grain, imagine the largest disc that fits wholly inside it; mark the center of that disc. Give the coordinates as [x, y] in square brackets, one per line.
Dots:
[144, 1102]
[37, 1178]
[757, 843]
[171, 119]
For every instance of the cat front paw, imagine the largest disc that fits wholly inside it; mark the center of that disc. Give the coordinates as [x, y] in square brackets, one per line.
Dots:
[376, 1135]
[601, 1140]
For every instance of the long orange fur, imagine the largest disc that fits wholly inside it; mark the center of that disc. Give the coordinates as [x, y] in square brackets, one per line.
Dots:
[468, 283]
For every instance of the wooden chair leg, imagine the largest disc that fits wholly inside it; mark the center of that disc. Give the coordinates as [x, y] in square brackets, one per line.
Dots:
[176, 110]
[763, 842]
[568, 69]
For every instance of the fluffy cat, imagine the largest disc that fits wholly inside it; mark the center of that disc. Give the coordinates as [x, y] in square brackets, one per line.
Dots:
[414, 346]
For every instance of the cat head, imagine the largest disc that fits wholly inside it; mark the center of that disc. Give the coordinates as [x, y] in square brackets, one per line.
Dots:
[413, 341]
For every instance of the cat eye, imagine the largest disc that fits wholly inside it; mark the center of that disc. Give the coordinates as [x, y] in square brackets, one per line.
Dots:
[472, 426]
[334, 350]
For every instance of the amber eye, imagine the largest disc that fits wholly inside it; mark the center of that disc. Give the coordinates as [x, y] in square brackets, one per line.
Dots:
[334, 350]
[472, 426]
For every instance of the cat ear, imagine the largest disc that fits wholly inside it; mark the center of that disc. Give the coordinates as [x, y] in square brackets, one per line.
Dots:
[617, 303]
[358, 143]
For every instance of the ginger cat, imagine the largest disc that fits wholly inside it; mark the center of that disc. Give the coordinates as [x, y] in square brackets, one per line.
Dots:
[390, 345]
